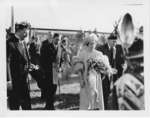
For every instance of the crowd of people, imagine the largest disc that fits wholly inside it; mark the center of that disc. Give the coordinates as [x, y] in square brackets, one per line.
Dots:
[99, 65]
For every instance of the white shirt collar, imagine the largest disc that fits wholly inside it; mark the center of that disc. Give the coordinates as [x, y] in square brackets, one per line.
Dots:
[109, 46]
[18, 38]
[114, 47]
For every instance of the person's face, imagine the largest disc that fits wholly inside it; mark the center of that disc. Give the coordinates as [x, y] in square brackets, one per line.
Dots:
[91, 45]
[65, 43]
[56, 40]
[23, 33]
[35, 40]
[112, 43]
[103, 40]
[49, 37]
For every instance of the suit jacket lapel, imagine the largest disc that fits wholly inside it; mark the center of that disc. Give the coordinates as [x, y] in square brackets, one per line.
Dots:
[26, 51]
[21, 50]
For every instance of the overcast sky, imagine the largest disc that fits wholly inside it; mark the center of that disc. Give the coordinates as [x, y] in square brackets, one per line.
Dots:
[74, 14]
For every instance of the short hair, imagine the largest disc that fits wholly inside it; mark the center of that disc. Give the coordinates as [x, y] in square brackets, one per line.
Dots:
[55, 35]
[21, 26]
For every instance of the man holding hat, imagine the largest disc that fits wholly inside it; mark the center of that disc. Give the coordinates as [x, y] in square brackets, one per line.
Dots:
[18, 61]
[115, 55]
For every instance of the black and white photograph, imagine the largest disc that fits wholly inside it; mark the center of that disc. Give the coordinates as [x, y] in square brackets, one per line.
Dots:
[74, 55]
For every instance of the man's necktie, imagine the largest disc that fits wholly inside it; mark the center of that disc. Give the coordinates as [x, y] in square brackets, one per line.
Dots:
[26, 51]
[114, 53]
[113, 56]
[21, 45]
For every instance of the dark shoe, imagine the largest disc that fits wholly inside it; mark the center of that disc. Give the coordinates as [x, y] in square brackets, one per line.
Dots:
[43, 95]
[49, 107]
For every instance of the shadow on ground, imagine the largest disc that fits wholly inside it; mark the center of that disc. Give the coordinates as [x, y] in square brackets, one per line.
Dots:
[62, 102]
[67, 101]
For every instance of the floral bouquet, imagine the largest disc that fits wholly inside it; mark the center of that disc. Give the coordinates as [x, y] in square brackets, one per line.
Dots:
[98, 65]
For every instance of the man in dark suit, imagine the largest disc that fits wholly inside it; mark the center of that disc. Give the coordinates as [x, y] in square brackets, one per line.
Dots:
[48, 57]
[18, 64]
[115, 55]
[34, 52]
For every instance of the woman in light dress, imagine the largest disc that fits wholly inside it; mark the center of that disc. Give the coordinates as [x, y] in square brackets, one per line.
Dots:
[91, 94]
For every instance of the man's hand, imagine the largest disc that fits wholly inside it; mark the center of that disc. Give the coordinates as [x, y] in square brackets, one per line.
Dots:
[31, 67]
[124, 66]
[9, 85]
[34, 67]
[114, 71]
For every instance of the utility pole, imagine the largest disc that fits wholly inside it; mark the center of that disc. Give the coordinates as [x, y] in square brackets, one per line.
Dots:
[12, 20]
